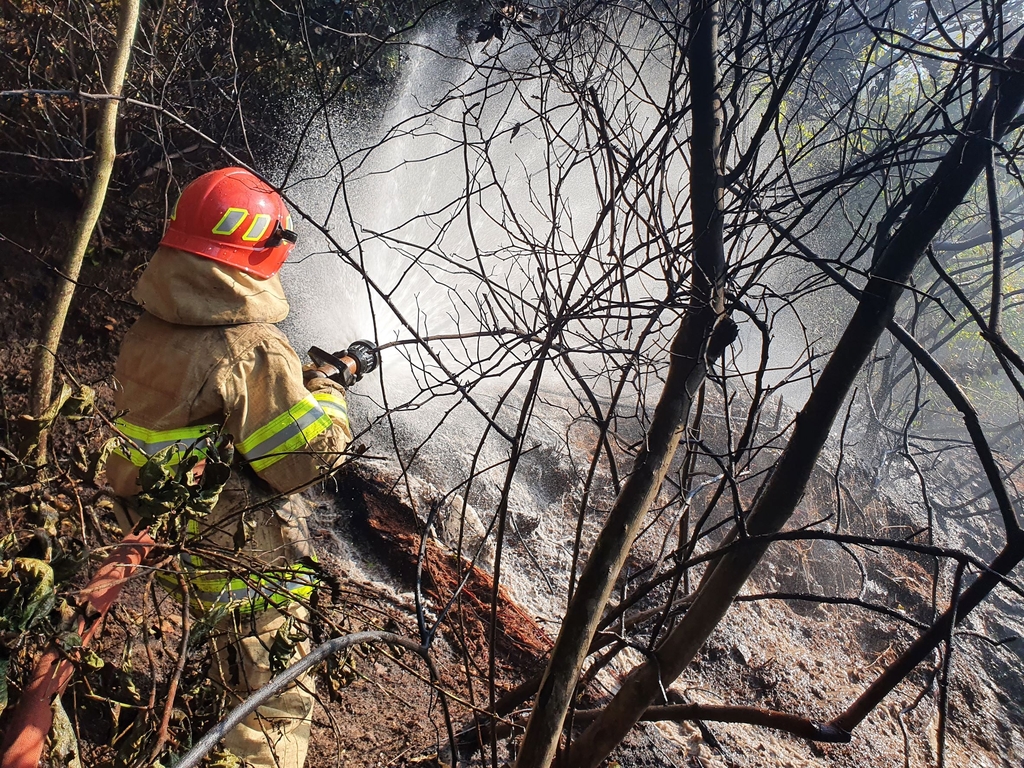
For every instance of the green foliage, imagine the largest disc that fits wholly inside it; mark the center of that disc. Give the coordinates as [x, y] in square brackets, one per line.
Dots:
[178, 489]
[74, 405]
[177, 493]
[29, 582]
[282, 650]
[223, 759]
[26, 596]
[26, 593]
[205, 625]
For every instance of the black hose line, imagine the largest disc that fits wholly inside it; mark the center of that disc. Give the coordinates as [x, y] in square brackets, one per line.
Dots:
[194, 756]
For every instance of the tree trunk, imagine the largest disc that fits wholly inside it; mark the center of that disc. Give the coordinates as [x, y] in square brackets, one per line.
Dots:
[932, 204]
[692, 348]
[46, 352]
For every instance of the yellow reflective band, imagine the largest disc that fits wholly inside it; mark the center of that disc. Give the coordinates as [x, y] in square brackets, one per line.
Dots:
[230, 221]
[139, 459]
[193, 531]
[272, 588]
[165, 436]
[286, 420]
[174, 210]
[294, 444]
[140, 444]
[287, 433]
[334, 405]
[258, 228]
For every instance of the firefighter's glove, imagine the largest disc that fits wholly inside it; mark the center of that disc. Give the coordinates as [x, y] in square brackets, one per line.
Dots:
[311, 371]
[317, 382]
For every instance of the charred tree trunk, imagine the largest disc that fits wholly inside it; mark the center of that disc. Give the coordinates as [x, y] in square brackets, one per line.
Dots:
[703, 335]
[932, 203]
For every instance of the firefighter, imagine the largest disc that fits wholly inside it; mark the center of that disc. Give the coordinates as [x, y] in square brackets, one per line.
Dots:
[205, 362]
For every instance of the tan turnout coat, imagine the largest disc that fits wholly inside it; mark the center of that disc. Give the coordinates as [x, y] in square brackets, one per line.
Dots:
[206, 352]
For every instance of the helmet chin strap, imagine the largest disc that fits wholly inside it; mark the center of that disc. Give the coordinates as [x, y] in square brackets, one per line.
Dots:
[280, 235]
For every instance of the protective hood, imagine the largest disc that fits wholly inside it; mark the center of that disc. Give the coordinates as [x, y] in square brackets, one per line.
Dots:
[184, 289]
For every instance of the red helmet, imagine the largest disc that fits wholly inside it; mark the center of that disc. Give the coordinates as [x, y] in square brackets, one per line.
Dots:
[232, 217]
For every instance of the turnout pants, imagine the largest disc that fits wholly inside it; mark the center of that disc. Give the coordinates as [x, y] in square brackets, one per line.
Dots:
[276, 735]
[251, 646]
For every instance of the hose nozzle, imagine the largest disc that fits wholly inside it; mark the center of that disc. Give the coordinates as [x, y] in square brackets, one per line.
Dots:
[349, 365]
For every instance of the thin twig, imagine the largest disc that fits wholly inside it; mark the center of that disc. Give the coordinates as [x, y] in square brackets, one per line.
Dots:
[162, 734]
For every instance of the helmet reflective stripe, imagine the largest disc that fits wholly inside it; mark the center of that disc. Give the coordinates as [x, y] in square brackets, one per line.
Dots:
[289, 432]
[174, 210]
[258, 228]
[230, 221]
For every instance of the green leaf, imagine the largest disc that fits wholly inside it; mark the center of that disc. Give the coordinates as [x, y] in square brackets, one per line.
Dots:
[5, 662]
[8, 543]
[155, 473]
[31, 427]
[282, 650]
[69, 641]
[91, 660]
[26, 593]
[63, 740]
[79, 405]
[98, 461]
[223, 759]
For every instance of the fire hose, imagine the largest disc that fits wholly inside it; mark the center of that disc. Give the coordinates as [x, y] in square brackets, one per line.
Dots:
[33, 716]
